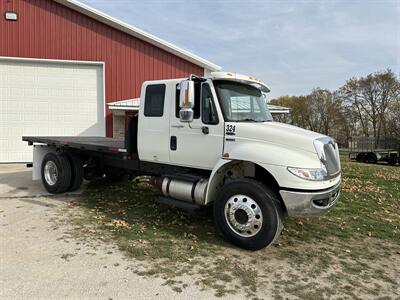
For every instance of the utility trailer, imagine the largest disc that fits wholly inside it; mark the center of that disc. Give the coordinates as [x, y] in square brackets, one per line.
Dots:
[207, 141]
[371, 150]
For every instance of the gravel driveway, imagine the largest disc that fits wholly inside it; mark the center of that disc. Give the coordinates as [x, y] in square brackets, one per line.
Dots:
[37, 262]
[50, 246]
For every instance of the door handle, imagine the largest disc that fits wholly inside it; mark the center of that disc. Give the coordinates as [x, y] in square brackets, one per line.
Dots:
[177, 126]
[173, 143]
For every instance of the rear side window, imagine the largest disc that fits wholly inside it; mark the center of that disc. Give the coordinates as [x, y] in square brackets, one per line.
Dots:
[154, 100]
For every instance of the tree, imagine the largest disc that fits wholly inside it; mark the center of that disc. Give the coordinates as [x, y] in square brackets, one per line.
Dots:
[371, 97]
[368, 106]
[324, 111]
[297, 105]
[320, 111]
[393, 119]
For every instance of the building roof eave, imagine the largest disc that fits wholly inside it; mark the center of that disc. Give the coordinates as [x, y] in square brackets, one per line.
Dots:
[138, 33]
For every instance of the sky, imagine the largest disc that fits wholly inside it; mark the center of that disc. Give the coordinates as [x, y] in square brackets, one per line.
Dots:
[293, 46]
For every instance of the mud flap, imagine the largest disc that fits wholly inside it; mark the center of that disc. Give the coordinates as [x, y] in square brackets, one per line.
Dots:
[39, 152]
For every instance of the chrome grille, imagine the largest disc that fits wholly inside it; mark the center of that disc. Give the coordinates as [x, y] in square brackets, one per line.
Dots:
[332, 159]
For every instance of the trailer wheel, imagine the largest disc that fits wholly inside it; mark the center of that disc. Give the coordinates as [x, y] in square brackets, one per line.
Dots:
[56, 173]
[248, 214]
[361, 157]
[371, 158]
[76, 170]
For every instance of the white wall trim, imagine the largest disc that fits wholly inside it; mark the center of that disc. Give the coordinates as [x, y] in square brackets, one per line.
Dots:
[44, 60]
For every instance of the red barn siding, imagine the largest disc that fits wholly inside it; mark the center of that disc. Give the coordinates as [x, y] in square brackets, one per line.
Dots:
[46, 29]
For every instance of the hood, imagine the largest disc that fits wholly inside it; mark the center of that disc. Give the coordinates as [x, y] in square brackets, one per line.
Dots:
[276, 133]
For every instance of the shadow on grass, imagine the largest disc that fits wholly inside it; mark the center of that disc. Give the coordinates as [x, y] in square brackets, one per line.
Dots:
[131, 214]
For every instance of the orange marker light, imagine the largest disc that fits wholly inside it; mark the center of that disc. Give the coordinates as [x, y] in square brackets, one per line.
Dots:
[226, 155]
[186, 102]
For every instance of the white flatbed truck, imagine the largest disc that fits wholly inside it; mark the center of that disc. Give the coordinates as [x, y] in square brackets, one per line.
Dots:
[208, 141]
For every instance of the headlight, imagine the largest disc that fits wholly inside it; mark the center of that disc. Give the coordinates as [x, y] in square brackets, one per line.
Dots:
[314, 174]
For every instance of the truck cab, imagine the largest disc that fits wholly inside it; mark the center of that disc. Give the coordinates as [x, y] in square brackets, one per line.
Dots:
[230, 124]
[212, 141]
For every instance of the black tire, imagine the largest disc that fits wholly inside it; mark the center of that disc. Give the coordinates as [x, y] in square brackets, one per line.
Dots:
[269, 205]
[77, 172]
[371, 158]
[361, 157]
[62, 165]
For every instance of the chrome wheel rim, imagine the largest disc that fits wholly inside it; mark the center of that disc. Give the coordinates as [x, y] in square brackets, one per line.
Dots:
[243, 215]
[50, 173]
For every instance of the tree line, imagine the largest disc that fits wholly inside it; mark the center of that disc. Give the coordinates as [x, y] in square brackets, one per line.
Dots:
[365, 106]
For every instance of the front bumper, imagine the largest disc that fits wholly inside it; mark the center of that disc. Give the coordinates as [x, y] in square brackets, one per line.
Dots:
[309, 203]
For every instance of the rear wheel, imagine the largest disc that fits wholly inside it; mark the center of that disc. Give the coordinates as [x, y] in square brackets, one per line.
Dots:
[248, 214]
[77, 172]
[56, 173]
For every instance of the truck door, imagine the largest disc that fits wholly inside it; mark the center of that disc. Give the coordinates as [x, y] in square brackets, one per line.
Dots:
[198, 144]
[153, 127]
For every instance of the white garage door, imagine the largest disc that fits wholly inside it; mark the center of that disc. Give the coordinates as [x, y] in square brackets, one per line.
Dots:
[43, 98]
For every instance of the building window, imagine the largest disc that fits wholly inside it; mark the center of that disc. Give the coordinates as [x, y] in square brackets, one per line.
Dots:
[154, 100]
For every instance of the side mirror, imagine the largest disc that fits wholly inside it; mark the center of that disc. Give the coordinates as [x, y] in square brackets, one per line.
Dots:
[186, 101]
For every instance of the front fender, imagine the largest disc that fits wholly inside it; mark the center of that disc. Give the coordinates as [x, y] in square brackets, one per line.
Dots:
[274, 159]
[213, 182]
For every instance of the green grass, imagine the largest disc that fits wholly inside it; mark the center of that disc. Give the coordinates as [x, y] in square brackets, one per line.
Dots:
[369, 206]
[359, 236]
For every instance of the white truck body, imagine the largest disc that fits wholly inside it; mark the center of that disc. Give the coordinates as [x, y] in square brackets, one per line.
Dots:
[212, 139]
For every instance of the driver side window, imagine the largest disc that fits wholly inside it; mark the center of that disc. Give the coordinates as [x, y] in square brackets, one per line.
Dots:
[208, 111]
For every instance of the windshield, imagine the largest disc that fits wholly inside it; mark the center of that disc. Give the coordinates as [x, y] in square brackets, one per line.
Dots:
[241, 102]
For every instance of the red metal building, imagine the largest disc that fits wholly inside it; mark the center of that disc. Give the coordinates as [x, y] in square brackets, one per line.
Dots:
[66, 31]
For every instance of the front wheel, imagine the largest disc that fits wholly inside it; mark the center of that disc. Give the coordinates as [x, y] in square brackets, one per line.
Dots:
[248, 214]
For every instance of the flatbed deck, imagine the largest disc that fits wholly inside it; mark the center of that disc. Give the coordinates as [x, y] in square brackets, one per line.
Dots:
[91, 143]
